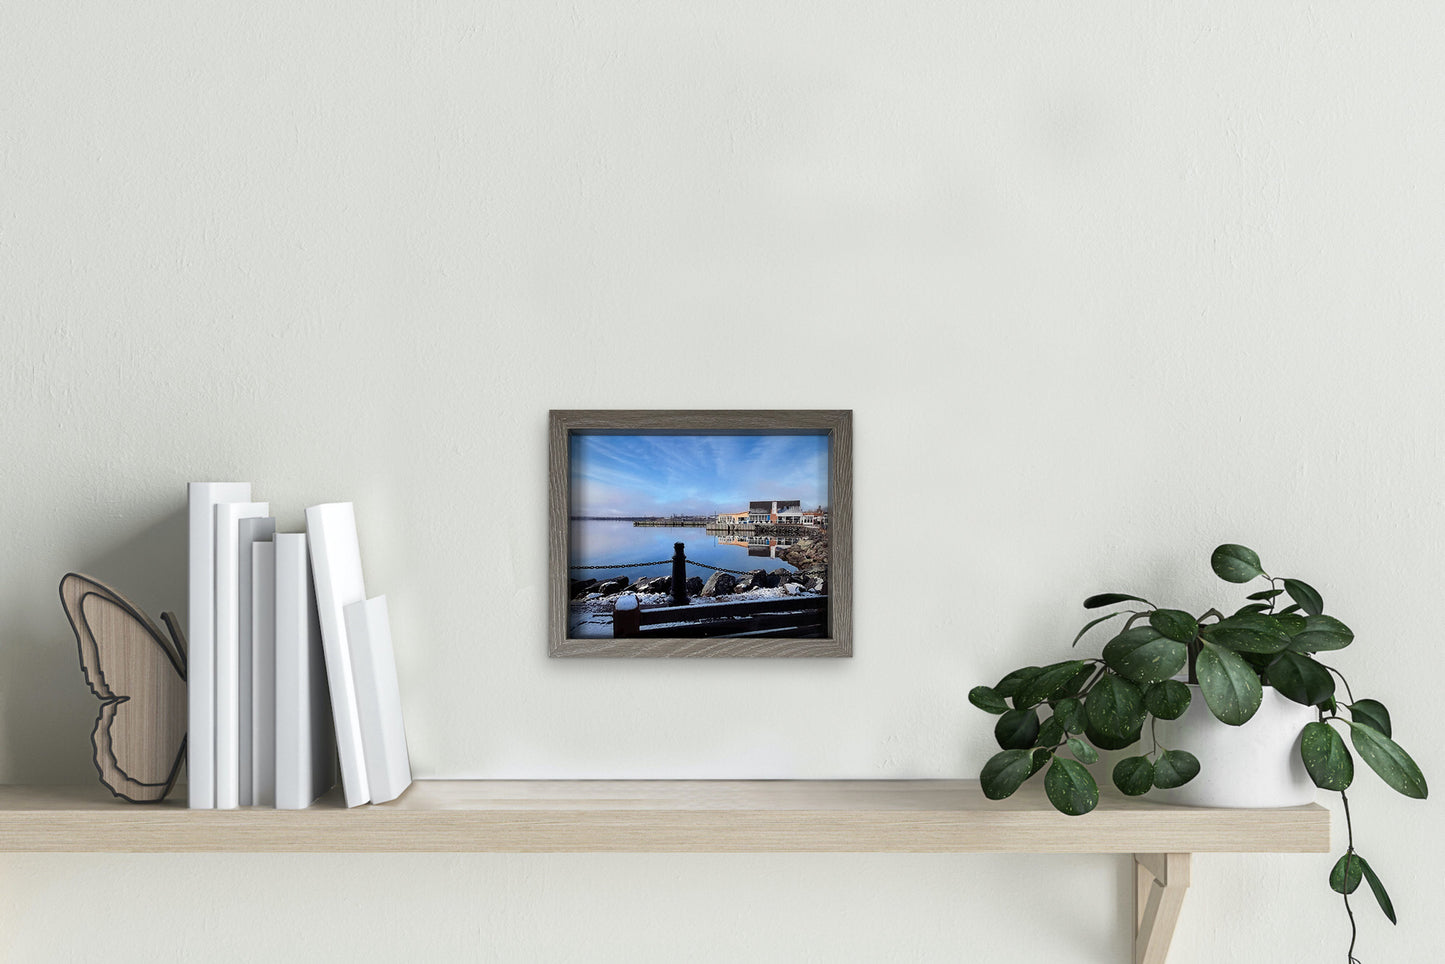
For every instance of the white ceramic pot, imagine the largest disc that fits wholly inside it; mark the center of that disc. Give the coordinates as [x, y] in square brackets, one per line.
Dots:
[1254, 765]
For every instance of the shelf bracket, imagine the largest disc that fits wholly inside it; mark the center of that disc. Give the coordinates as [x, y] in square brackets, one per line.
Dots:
[1160, 883]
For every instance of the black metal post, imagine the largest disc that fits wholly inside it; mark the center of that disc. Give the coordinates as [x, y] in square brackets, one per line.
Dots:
[679, 575]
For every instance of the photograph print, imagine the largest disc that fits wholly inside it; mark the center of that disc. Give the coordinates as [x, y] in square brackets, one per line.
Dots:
[689, 539]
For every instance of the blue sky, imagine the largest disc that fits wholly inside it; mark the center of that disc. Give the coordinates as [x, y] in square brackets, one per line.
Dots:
[695, 474]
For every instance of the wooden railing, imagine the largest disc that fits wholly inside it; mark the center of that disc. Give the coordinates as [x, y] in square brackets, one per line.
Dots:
[780, 616]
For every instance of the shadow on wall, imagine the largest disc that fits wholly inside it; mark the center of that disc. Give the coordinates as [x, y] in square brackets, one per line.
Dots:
[46, 710]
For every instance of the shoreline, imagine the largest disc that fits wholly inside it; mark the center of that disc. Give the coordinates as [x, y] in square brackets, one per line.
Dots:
[809, 554]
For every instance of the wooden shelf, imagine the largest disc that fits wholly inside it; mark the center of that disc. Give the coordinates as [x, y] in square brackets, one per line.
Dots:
[685, 816]
[701, 816]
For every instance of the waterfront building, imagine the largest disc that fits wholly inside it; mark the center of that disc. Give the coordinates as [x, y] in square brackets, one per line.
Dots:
[764, 513]
[790, 516]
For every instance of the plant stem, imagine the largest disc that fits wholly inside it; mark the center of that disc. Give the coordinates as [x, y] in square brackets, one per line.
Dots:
[1348, 692]
[1349, 862]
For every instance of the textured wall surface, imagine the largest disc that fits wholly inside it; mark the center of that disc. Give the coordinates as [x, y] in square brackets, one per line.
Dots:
[1104, 286]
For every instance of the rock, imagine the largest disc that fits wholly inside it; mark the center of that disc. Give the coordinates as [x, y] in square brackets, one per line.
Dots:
[757, 579]
[817, 584]
[694, 585]
[652, 584]
[613, 585]
[581, 587]
[718, 584]
[797, 578]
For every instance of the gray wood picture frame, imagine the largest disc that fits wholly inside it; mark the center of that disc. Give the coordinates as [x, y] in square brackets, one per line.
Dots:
[836, 424]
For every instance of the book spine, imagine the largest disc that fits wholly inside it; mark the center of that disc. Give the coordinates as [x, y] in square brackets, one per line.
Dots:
[305, 745]
[263, 676]
[251, 533]
[201, 501]
[228, 658]
[336, 566]
[378, 699]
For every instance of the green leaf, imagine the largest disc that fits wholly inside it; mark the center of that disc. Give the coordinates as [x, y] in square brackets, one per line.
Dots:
[1167, 699]
[1070, 787]
[1051, 733]
[1174, 768]
[1053, 682]
[1134, 775]
[1292, 623]
[1010, 684]
[1230, 687]
[1110, 598]
[1115, 707]
[1092, 623]
[1305, 596]
[1251, 608]
[1345, 874]
[1288, 610]
[1070, 712]
[1017, 729]
[1322, 633]
[1143, 656]
[1175, 624]
[1083, 751]
[1265, 594]
[1371, 713]
[987, 700]
[1299, 678]
[1005, 772]
[1235, 563]
[1381, 898]
[1326, 758]
[1106, 742]
[1249, 633]
[1387, 759]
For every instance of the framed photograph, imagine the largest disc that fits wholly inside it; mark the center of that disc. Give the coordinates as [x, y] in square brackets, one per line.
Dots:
[700, 533]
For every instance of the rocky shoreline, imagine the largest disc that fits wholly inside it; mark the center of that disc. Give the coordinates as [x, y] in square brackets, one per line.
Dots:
[718, 584]
[809, 554]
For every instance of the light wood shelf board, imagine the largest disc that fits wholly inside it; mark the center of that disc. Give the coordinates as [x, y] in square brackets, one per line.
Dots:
[643, 816]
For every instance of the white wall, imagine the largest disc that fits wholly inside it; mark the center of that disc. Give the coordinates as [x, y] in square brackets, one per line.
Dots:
[1108, 283]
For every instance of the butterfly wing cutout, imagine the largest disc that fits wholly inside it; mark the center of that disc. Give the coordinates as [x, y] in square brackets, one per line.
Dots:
[140, 676]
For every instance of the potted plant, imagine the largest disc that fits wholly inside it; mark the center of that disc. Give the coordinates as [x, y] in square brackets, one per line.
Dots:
[1114, 702]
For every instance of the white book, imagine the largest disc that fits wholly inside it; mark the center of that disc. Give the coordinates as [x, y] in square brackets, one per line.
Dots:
[378, 699]
[336, 568]
[201, 498]
[251, 532]
[305, 739]
[228, 644]
[262, 742]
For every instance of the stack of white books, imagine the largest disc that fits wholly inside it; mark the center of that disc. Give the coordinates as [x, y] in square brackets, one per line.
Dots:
[291, 667]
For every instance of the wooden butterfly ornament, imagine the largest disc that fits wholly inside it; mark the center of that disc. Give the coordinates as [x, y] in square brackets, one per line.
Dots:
[140, 676]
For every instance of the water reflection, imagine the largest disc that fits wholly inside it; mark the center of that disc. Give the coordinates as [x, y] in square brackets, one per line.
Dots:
[599, 542]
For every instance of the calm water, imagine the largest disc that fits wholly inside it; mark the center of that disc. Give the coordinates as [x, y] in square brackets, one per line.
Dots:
[596, 542]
